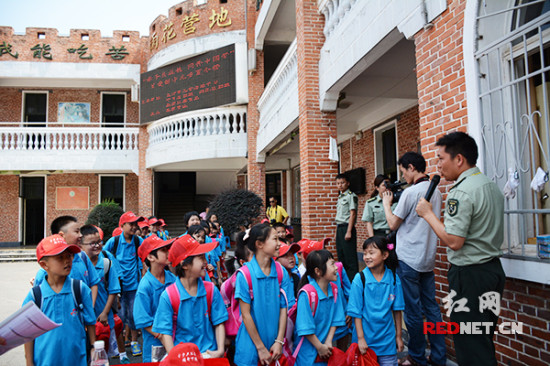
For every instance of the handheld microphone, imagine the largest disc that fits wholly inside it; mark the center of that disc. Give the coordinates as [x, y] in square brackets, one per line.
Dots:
[433, 185]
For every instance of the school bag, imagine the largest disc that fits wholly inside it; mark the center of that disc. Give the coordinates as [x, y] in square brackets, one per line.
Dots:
[227, 291]
[106, 268]
[291, 321]
[174, 296]
[77, 297]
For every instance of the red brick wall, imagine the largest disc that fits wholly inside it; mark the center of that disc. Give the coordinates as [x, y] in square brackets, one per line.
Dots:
[408, 137]
[12, 103]
[235, 13]
[317, 171]
[443, 108]
[9, 214]
[145, 187]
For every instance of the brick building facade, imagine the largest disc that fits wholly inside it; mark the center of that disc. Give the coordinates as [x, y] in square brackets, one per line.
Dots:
[381, 78]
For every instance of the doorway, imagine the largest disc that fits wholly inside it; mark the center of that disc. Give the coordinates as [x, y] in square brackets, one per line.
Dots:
[32, 195]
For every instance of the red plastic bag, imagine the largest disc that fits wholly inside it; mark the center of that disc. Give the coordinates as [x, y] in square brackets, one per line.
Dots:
[355, 358]
[338, 358]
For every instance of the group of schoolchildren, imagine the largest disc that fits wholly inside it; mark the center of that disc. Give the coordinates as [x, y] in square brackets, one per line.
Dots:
[271, 306]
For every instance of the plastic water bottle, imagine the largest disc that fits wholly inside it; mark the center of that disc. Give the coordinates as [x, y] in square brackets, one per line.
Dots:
[99, 357]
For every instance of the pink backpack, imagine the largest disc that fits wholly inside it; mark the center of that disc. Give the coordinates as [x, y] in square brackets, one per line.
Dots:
[228, 295]
[174, 296]
[291, 321]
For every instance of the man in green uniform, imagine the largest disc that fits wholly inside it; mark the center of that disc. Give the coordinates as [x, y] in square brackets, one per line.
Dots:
[473, 232]
[346, 236]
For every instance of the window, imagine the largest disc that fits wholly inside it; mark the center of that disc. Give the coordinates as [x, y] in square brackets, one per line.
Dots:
[113, 109]
[274, 187]
[111, 188]
[297, 193]
[385, 147]
[514, 96]
[35, 108]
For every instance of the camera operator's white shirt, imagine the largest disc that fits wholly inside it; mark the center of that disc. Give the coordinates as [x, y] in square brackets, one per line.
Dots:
[416, 241]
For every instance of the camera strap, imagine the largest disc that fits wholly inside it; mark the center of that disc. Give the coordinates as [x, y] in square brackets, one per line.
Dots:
[423, 179]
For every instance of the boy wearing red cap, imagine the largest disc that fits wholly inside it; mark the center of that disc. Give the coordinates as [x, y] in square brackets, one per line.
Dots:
[57, 302]
[124, 249]
[199, 320]
[154, 253]
[288, 261]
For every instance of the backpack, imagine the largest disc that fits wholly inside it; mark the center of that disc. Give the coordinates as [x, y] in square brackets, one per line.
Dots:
[75, 290]
[291, 321]
[228, 295]
[174, 296]
[106, 269]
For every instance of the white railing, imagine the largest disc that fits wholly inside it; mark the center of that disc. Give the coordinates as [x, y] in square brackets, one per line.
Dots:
[278, 104]
[210, 122]
[334, 11]
[69, 138]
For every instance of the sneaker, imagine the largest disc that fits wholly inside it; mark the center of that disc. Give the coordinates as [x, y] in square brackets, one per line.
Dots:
[124, 360]
[136, 349]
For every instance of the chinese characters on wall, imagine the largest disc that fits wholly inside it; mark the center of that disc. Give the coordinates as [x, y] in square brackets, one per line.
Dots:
[45, 51]
[200, 82]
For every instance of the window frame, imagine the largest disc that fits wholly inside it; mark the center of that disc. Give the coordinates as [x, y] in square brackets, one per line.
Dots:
[23, 94]
[125, 94]
[99, 200]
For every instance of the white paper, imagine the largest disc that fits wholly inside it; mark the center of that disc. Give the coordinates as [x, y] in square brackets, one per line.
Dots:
[333, 149]
[24, 325]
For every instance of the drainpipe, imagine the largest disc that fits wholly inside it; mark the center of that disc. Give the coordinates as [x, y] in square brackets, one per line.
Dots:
[424, 9]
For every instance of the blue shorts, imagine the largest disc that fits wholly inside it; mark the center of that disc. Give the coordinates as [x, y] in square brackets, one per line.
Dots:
[127, 308]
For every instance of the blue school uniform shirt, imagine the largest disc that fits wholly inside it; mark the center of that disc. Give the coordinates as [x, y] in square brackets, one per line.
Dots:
[82, 270]
[193, 323]
[105, 288]
[265, 309]
[374, 304]
[65, 345]
[145, 307]
[344, 287]
[129, 264]
[328, 314]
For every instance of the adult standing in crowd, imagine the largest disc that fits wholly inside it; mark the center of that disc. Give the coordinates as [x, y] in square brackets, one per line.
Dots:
[276, 213]
[346, 236]
[373, 214]
[473, 231]
[416, 245]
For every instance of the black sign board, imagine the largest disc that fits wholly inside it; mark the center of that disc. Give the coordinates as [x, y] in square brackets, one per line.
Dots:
[199, 82]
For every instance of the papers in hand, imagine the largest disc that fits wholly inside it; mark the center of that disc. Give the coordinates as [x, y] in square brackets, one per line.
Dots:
[24, 325]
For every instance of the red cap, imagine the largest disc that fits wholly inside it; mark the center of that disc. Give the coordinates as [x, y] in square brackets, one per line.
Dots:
[153, 221]
[187, 354]
[264, 221]
[284, 249]
[129, 217]
[99, 231]
[162, 223]
[308, 246]
[117, 231]
[186, 246]
[152, 243]
[54, 245]
[143, 223]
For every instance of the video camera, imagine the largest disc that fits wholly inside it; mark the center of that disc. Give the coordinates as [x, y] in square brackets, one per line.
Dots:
[397, 189]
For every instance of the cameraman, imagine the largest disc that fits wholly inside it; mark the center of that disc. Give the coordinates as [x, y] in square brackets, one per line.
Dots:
[276, 213]
[416, 245]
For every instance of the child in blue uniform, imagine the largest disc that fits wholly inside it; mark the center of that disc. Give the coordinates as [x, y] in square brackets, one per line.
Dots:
[261, 335]
[154, 253]
[109, 286]
[318, 329]
[373, 301]
[130, 270]
[65, 345]
[198, 321]
[288, 261]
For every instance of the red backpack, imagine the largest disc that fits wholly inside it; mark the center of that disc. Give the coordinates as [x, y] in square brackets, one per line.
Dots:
[232, 305]
[174, 296]
[291, 321]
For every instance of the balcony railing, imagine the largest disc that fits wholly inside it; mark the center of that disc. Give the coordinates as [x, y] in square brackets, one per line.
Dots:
[278, 104]
[66, 138]
[209, 133]
[334, 11]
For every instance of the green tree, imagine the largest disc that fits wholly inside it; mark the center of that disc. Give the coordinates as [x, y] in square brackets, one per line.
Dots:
[106, 216]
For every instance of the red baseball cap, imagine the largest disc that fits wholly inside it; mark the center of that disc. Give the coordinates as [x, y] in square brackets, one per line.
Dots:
[143, 223]
[308, 246]
[184, 354]
[117, 231]
[129, 217]
[54, 245]
[186, 246]
[99, 231]
[284, 249]
[153, 242]
[153, 221]
[162, 223]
